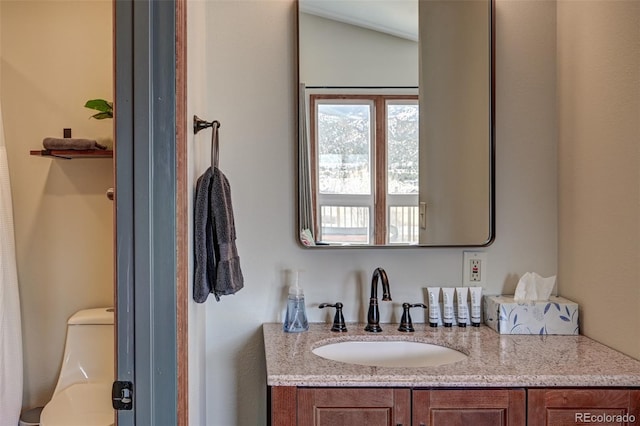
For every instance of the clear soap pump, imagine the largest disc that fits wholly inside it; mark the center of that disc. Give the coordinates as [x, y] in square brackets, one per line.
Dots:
[296, 319]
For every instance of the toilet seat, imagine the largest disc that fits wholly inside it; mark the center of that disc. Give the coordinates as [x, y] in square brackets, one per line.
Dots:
[81, 404]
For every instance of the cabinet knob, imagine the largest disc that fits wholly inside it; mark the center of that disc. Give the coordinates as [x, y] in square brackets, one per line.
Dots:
[110, 193]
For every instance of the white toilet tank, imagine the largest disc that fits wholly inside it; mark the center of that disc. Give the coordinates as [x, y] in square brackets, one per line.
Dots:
[82, 396]
[89, 348]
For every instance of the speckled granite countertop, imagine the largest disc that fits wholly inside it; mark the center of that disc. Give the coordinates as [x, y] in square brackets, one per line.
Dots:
[493, 360]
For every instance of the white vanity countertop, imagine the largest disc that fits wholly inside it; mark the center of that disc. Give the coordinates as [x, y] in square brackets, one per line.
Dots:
[493, 360]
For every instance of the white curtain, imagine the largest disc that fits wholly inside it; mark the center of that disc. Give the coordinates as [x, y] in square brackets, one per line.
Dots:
[304, 166]
[10, 332]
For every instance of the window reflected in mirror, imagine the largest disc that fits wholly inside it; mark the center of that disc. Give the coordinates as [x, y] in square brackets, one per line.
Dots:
[365, 168]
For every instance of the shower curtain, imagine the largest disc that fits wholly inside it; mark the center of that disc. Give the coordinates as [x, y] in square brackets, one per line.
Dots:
[304, 167]
[10, 331]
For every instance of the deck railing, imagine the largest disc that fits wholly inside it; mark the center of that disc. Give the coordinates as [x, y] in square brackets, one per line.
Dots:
[350, 224]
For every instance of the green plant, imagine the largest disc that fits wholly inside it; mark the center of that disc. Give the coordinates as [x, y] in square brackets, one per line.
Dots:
[105, 108]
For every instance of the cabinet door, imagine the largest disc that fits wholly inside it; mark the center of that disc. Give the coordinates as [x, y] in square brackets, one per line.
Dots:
[354, 406]
[478, 407]
[560, 407]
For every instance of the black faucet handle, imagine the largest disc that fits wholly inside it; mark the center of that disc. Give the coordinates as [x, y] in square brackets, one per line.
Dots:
[406, 324]
[338, 319]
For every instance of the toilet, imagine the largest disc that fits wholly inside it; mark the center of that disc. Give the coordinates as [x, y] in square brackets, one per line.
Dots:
[82, 396]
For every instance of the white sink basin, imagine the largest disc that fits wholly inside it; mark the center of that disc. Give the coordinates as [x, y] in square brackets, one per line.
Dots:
[397, 353]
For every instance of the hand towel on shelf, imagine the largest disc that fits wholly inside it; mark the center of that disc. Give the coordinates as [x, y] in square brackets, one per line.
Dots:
[216, 260]
[71, 143]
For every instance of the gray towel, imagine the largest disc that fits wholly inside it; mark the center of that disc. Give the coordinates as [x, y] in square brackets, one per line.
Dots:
[71, 143]
[216, 260]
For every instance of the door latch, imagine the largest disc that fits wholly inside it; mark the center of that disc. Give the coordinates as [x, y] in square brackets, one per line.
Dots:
[122, 395]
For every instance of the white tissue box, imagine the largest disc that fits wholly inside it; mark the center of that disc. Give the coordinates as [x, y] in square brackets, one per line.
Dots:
[555, 316]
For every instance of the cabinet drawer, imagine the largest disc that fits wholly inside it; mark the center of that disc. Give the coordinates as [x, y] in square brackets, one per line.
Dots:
[354, 406]
[560, 407]
[478, 407]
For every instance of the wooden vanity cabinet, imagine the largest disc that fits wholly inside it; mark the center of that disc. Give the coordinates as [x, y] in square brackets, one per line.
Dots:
[560, 407]
[478, 407]
[290, 406]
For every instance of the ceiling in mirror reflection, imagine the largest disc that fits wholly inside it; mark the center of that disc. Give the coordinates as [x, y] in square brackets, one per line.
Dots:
[336, 53]
[395, 17]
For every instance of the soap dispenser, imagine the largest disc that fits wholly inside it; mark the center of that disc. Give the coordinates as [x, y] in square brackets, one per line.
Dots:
[295, 320]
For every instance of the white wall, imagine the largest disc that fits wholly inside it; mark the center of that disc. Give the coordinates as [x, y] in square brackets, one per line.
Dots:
[599, 128]
[55, 56]
[250, 72]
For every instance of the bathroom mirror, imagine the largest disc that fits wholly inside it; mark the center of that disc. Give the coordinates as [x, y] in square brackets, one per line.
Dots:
[395, 145]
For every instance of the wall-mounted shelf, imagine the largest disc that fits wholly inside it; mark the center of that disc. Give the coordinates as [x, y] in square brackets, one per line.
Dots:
[69, 154]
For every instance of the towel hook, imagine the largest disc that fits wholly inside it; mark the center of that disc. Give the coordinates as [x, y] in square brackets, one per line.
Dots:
[200, 124]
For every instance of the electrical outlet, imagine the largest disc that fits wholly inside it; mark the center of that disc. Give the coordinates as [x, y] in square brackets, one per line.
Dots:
[474, 268]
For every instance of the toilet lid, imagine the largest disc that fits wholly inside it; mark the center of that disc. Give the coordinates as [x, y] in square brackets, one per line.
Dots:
[81, 404]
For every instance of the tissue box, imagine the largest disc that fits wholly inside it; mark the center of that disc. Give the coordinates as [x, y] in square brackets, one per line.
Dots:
[555, 316]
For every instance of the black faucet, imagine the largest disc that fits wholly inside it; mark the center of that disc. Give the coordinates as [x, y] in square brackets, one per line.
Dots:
[373, 317]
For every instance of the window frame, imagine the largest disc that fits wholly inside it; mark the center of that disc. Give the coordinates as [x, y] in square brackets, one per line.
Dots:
[378, 217]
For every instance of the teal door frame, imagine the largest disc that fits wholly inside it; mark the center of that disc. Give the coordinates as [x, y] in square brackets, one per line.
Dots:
[146, 259]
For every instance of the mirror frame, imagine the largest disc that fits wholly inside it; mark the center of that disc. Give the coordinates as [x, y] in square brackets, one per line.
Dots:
[491, 140]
